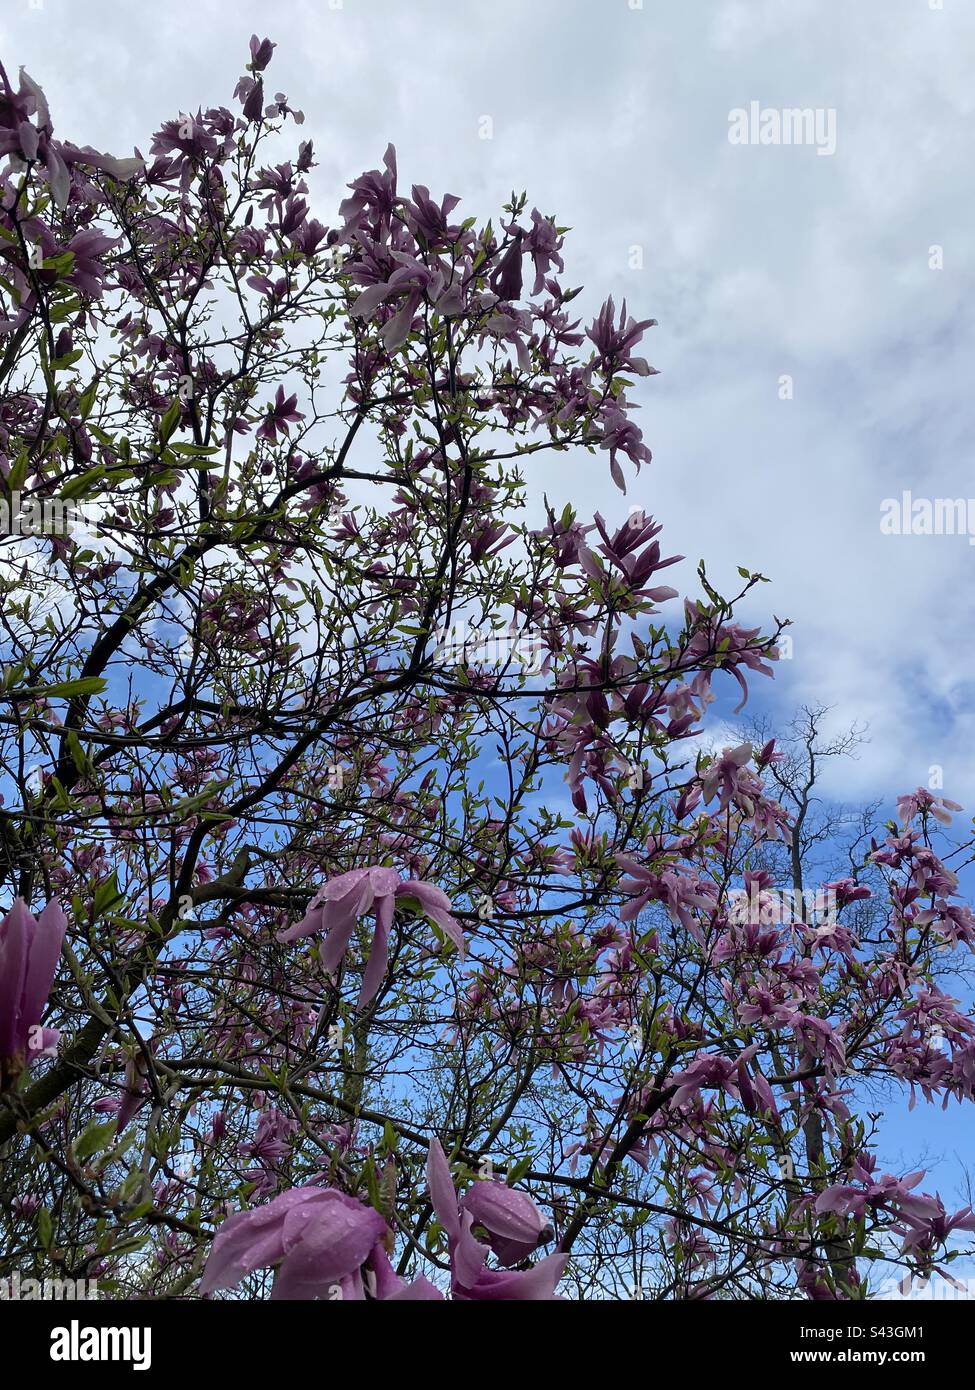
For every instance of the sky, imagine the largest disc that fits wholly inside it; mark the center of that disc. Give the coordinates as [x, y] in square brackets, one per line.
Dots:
[813, 343]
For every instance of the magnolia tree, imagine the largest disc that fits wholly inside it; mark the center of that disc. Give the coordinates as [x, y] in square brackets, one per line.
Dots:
[375, 926]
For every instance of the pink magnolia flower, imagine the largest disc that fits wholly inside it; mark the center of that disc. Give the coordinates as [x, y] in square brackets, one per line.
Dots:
[912, 804]
[261, 50]
[513, 1222]
[927, 1224]
[679, 887]
[29, 952]
[922, 1219]
[726, 772]
[708, 1070]
[337, 907]
[323, 1244]
[848, 1200]
[316, 1236]
[280, 416]
[136, 1088]
[469, 1278]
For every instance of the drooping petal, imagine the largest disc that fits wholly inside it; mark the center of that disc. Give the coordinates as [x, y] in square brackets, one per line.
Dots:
[340, 931]
[420, 1291]
[45, 951]
[435, 904]
[310, 924]
[370, 299]
[389, 1287]
[537, 1284]
[468, 1255]
[397, 330]
[16, 932]
[373, 974]
[440, 1185]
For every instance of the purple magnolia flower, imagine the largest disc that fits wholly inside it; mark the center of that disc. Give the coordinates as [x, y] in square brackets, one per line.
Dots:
[373, 197]
[279, 416]
[922, 1219]
[337, 907]
[323, 1243]
[254, 102]
[543, 242]
[613, 342]
[506, 282]
[88, 272]
[429, 220]
[910, 806]
[928, 1224]
[135, 1089]
[29, 952]
[261, 50]
[119, 168]
[847, 1200]
[513, 1222]
[409, 282]
[187, 135]
[317, 1237]
[725, 774]
[469, 1278]
[621, 435]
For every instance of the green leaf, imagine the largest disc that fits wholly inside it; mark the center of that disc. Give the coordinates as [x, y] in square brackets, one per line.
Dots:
[78, 487]
[68, 360]
[169, 421]
[87, 399]
[518, 1171]
[18, 473]
[93, 1137]
[45, 1232]
[195, 449]
[78, 755]
[127, 1247]
[107, 894]
[85, 685]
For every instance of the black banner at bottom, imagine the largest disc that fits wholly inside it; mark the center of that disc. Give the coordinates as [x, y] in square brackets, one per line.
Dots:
[251, 1340]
